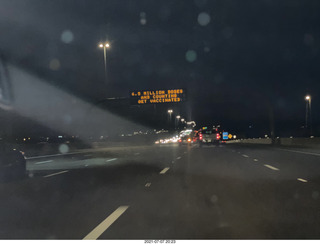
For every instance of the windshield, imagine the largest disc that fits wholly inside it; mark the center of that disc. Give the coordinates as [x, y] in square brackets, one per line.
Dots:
[159, 120]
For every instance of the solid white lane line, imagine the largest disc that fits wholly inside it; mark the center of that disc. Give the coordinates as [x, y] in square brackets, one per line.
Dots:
[178, 158]
[61, 172]
[256, 160]
[164, 170]
[112, 159]
[302, 180]
[271, 167]
[44, 162]
[309, 153]
[104, 225]
[246, 156]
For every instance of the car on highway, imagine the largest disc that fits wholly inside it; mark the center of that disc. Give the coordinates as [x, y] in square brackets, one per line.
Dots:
[186, 137]
[185, 140]
[12, 163]
[208, 135]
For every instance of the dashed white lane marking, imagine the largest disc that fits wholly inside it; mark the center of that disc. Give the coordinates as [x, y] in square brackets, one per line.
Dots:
[239, 152]
[137, 153]
[58, 173]
[104, 225]
[164, 170]
[185, 152]
[246, 156]
[256, 160]
[302, 180]
[112, 159]
[172, 162]
[271, 167]
[309, 153]
[148, 184]
[44, 162]
[87, 155]
[178, 158]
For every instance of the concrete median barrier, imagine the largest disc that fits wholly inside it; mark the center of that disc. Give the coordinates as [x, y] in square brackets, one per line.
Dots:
[313, 142]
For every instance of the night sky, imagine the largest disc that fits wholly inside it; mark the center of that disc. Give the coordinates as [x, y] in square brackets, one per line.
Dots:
[237, 59]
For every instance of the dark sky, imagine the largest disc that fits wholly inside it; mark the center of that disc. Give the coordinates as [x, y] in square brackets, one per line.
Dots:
[235, 58]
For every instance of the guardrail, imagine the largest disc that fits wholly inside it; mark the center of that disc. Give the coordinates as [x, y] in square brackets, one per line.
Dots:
[40, 149]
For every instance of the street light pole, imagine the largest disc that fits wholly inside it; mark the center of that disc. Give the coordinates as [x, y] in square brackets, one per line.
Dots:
[105, 46]
[308, 112]
[170, 111]
[177, 121]
[310, 117]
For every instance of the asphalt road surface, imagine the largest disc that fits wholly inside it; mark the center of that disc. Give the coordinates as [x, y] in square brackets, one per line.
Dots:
[166, 192]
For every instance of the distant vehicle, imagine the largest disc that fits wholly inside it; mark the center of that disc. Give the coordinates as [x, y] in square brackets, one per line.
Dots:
[186, 137]
[186, 140]
[12, 163]
[208, 135]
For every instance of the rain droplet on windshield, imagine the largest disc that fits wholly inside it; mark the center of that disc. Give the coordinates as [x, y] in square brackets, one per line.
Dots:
[191, 56]
[67, 36]
[203, 19]
[143, 18]
[54, 64]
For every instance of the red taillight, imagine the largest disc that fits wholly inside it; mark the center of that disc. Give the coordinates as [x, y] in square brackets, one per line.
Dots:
[189, 139]
[200, 137]
[180, 140]
[218, 136]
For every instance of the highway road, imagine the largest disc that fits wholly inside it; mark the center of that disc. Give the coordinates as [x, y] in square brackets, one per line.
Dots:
[229, 191]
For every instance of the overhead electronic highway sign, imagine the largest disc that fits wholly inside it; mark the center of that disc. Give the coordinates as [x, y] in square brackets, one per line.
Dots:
[157, 96]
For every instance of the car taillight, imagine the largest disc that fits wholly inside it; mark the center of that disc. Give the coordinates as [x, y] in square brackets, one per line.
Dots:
[180, 140]
[200, 136]
[218, 136]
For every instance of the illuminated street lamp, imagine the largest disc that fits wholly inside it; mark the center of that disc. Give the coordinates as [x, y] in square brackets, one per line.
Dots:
[177, 120]
[308, 112]
[170, 111]
[105, 46]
